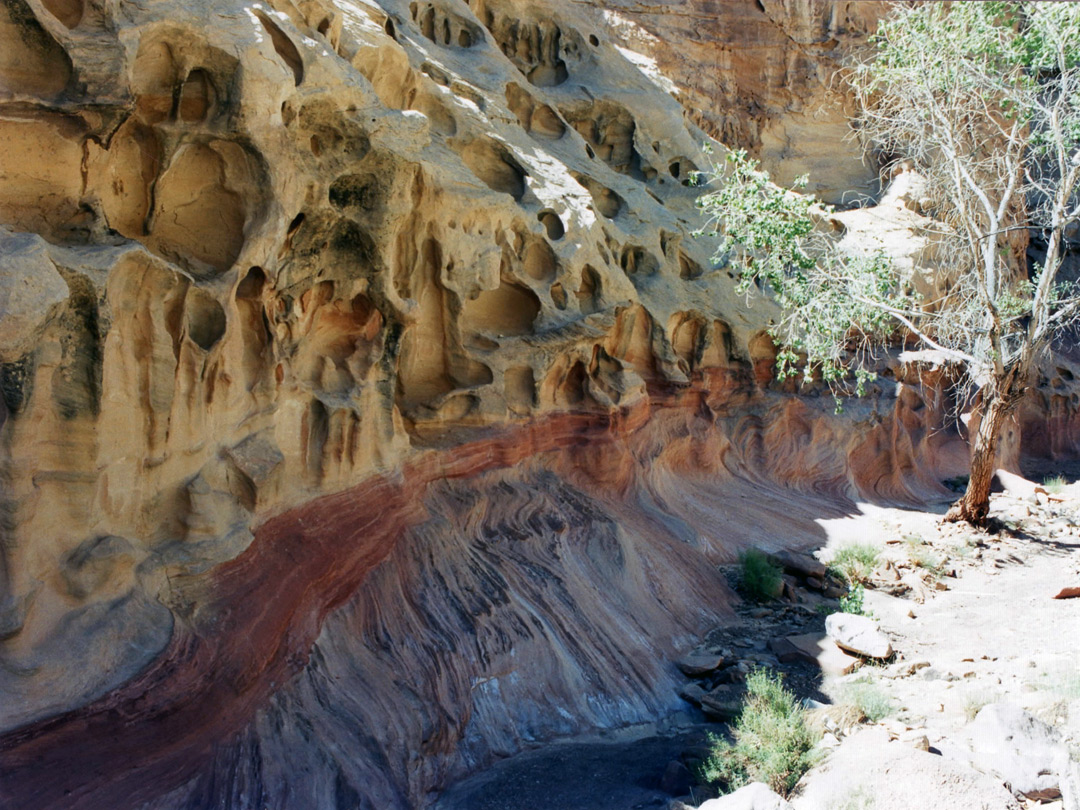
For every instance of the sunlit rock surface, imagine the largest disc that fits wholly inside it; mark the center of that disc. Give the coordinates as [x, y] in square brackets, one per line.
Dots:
[369, 411]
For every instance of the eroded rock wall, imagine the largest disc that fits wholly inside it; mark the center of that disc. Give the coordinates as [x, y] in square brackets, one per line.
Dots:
[369, 410]
[763, 76]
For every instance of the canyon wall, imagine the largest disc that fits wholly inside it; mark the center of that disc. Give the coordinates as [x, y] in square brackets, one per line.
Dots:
[369, 411]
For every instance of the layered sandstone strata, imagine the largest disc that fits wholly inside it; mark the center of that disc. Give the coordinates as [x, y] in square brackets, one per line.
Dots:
[368, 409]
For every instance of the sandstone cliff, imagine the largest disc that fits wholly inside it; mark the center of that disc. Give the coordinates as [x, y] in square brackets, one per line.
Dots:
[368, 410]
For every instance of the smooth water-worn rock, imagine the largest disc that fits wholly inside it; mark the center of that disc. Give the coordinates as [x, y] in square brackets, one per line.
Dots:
[369, 410]
[755, 796]
[858, 634]
[1024, 752]
[867, 768]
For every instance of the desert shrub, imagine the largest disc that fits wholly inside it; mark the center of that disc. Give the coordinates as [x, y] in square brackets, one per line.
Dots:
[973, 704]
[1054, 484]
[922, 556]
[855, 562]
[868, 698]
[853, 601]
[773, 741]
[859, 799]
[761, 577]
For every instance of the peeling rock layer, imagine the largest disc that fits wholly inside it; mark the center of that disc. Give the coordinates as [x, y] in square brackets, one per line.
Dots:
[368, 410]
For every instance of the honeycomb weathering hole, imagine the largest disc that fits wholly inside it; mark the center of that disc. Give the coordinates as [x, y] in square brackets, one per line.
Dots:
[444, 27]
[69, 12]
[506, 311]
[495, 166]
[589, 291]
[197, 217]
[608, 129]
[197, 97]
[205, 319]
[552, 224]
[31, 61]
[535, 117]
[539, 261]
[284, 47]
[606, 201]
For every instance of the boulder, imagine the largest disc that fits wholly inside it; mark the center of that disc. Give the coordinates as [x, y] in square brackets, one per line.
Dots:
[816, 649]
[802, 565]
[1070, 786]
[755, 796]
[677, 779]
[1024, 752]
[693, 693]
[1017, 486]
[858, 634]
[833, 590]
[867, 770]
[697, 664]
[722, 704]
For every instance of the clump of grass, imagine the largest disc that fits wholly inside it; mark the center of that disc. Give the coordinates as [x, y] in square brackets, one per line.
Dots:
[773, 741]
[922, 556]
[761, 577]
[1063, 681]
[855, 562]
[859, 799]
[869, 700]
[1054, 484]
[973, 704]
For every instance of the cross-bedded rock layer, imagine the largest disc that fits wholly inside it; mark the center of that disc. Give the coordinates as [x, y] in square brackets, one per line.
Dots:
[368, 410]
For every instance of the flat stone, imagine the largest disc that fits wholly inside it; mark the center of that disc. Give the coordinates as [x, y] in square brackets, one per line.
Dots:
[697, 664]
[693, 693]
[834, 591]
[802, 565]
[723, 703]
[816, 649]
[858, 634]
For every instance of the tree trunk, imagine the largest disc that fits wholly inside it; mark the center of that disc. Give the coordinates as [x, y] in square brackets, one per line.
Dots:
[996, 407]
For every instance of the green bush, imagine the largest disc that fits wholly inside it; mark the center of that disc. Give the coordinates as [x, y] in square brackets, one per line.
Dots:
[773, 741]
[853, 602]
[873, 704]
[761, 577]
[855, 562]
[1054, 484]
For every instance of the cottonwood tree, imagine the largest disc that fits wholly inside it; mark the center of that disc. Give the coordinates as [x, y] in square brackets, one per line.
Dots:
[982, 99]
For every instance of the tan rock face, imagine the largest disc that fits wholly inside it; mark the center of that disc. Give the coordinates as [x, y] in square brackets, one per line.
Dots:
[368, 409]
[762, 76]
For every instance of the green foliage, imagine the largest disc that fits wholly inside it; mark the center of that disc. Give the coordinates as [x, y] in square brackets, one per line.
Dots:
[773, 741]
[983, 101]
[855, 562]
[859, 799]
[831, 307]
[1054, 484]
[760, 576]
[868, 698]
[853, 601]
